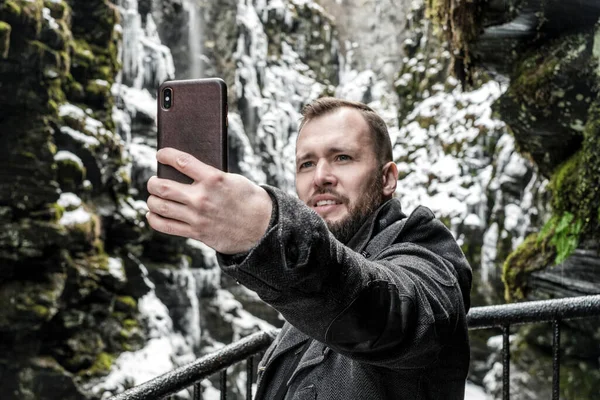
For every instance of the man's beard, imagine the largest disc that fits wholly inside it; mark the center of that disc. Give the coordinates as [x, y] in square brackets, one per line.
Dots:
[357, 215]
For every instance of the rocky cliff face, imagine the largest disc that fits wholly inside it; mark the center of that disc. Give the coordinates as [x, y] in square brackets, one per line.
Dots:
[547, 52]
[66, 310]
[95, 302]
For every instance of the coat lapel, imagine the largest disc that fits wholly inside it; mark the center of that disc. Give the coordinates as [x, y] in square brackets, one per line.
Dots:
[288, 338]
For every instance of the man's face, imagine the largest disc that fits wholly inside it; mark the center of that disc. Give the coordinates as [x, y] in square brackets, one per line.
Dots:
[337, 173]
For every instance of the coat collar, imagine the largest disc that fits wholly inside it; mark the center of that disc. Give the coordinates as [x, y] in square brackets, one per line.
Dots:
[288, 338]
[388, 213]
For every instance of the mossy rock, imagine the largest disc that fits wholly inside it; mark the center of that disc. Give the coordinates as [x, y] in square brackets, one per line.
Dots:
[82, 348]
[28, 238]
[30, 304]
[545, 108]
[97, 93]
[100, 367]
[44, 379]
[5, 30]
[125, 304]
[10, 10]
[460, 24]
[81, 283]
[24, 16]
[576, 194]
[83, 228]
[532, 255]
[123, 332]
[70, 174]
[131, 336]
[565, 183]
[59, 10]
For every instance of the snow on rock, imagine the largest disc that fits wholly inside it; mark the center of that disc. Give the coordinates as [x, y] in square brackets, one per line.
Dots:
[75, 217]
[441, 149]
[242, 322]
[164, 351]
[69, 201]
[67, 155]
[116, 269]
[137, 101]
[86, 140]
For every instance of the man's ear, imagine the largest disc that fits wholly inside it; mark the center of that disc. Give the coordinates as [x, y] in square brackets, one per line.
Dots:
[390, 179]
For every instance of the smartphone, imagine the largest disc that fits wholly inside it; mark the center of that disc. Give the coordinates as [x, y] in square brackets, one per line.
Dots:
[192, 117]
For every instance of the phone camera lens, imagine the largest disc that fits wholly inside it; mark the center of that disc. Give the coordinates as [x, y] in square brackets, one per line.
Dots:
[167, 98]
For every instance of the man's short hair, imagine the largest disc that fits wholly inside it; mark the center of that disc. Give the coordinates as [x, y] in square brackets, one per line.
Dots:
[382, 144]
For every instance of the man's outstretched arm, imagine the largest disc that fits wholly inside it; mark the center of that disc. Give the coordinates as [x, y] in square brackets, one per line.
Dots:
[225, 211]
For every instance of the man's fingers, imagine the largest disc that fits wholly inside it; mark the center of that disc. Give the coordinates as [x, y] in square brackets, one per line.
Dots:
[170, 209]
[184, 163]
[168, 226]
[169, 189]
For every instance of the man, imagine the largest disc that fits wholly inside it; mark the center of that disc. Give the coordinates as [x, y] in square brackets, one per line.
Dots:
[375, 302]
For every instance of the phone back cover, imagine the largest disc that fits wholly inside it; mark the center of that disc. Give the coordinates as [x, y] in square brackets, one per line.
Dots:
[195, 123]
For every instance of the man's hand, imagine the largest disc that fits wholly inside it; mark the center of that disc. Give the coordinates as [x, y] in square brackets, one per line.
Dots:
[225, 211]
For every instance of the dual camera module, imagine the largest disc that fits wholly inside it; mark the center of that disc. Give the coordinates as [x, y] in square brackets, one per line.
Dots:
[167, 98]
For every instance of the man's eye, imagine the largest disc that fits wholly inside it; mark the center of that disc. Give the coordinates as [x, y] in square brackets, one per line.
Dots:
[343, 157]
[305, 164]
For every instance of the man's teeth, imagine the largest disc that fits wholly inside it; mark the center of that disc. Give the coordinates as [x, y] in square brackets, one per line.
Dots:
[326, 203]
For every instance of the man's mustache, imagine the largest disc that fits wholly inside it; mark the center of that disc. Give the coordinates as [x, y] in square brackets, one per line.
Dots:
[339, 197]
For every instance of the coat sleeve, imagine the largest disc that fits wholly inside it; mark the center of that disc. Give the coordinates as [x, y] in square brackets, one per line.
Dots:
[394, 312]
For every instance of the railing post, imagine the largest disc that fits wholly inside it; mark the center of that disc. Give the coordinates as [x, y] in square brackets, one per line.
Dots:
[556, 359]
[224, 384]
[506, 362]
[197, 391]
[249, 370]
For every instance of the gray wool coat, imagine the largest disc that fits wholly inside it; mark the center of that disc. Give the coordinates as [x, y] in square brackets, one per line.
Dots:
[384, 317]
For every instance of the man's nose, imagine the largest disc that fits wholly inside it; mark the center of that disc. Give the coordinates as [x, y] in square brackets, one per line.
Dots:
[324, 175]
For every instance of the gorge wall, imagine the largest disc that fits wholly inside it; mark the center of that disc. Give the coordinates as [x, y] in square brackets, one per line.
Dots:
[95, 302]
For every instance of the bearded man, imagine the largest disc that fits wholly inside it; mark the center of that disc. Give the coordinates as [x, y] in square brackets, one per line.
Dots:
[375, 302]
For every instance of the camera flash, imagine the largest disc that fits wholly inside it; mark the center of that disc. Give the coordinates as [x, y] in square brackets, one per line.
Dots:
[167, 98]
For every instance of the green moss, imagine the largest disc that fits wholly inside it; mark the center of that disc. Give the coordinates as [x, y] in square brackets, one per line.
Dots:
[101, 366]
[531, 255]
[82, 52]
[31, 12]
[533, 79]
[52, 212]
[70, 174]
[125, 303]
[563, 233]
[96, 90]
[5, 30]
[58, 10]
[576, 193]
[99, 261]
[11, 8]
[565, 182]
[40, 311]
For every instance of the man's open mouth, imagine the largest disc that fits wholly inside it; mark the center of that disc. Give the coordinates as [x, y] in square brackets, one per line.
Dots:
[322, 203]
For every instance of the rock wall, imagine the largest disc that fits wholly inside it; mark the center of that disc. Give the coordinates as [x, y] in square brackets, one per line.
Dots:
[96, 302]
[66, 308]
[547, 52]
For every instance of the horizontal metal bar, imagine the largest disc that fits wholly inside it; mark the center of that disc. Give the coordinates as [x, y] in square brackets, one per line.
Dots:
[186, 375]
[534, 311]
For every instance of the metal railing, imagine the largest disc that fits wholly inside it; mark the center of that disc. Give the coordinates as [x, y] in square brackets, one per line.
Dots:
[501, 316]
